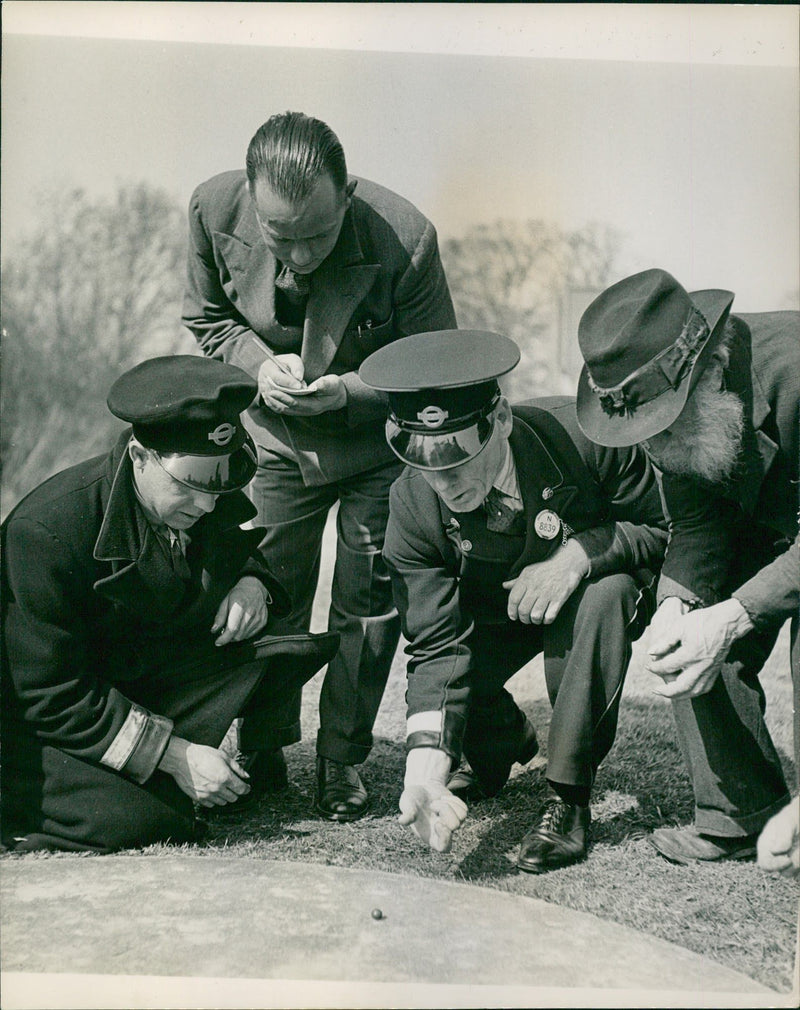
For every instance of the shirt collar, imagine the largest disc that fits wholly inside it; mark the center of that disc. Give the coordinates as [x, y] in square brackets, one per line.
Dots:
[506, 481]
[167, 532]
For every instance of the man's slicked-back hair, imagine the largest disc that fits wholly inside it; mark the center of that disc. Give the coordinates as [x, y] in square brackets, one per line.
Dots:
[291, 152]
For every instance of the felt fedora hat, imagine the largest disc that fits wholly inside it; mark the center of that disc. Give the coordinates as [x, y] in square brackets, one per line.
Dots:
[645, 342]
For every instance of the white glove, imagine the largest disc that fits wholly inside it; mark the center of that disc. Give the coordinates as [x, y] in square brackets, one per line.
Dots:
[779, 842]
[426, 804]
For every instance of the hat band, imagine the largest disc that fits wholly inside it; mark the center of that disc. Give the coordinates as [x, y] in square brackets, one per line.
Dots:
[434, 421]
[665, 371]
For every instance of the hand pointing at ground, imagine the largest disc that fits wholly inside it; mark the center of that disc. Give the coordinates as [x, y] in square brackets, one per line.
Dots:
[426, 804]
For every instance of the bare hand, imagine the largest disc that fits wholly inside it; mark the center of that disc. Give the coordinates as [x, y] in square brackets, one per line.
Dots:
[689, 649]
[206, 774]
[326, 393]
[540, 590]
[433, 812]
[243, 612]
[277, 389]
[779, 842]
[275, 385]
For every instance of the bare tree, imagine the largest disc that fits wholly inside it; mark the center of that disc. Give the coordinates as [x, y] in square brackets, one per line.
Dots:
[93, 288]
[516, 278]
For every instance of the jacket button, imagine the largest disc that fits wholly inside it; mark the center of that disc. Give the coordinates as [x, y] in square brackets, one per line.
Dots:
[466, 546]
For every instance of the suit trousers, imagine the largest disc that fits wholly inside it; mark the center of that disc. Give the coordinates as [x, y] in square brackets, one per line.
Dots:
[735, 769]
[586, 654]
[361, 610]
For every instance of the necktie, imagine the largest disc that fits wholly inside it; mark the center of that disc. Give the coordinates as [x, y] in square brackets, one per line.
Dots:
[501, 517]
[175, 550]
[295, 287]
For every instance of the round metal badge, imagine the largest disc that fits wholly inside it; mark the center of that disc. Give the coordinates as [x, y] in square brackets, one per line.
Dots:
[547, 524]
[466, 546]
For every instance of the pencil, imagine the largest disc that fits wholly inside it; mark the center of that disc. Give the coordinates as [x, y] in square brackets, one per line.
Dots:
[262, 346]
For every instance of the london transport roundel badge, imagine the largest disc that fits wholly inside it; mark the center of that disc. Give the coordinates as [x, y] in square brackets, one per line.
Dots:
[547, 524]
[222, 434]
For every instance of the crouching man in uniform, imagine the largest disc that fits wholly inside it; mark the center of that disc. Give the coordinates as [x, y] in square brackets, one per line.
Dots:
[509, 535]
[139, 621]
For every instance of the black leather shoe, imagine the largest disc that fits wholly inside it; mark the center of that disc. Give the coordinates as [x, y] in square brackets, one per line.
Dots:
[341, 795]
[465, 784]
[559, 839]
[267, 770]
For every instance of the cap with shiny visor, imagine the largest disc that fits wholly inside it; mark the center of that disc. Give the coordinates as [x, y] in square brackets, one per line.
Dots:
[442, 389]
[188, 410]
[216, 474]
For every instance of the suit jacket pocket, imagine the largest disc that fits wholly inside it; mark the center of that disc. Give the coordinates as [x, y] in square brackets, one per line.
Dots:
[369, 334]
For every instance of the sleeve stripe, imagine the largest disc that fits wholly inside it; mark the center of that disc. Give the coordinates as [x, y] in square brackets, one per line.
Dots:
[124, 743]
[424, 722]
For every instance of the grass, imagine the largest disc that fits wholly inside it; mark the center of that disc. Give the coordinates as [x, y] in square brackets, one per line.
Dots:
[734, 913]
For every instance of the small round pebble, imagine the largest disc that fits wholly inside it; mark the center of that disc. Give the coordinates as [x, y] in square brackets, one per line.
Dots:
[377, 913]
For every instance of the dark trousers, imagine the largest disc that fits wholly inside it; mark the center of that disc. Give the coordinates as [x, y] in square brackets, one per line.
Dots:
[53, 800]
[735, 769]
[362, 610]
[586, 654]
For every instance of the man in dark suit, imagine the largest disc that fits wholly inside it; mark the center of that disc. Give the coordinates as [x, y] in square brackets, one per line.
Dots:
[714, 400]
[139, 621]
[509, 535]
[296, 273]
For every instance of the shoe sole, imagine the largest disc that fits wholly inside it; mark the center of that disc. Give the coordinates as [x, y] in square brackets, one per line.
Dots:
[540, 868]
[682, 860]
[341, 818]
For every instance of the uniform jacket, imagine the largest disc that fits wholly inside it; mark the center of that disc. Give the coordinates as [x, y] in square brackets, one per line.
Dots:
[382, 281]
[720, 535]
[447, 569]
[91, 604]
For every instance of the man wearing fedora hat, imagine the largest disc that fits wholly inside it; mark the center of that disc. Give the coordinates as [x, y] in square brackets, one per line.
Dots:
[713, 399]
[139, 621]
[510, 535]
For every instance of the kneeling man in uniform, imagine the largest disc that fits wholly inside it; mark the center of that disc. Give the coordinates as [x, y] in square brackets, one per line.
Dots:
[139, 621]
[510, 535]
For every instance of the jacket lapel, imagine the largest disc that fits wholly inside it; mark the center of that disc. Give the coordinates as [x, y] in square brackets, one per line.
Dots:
[543, 482]
[253, 268]
[142, 578]
[337, 287]
[335, 293]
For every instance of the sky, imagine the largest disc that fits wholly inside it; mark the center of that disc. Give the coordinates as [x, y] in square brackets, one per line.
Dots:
[676, 124]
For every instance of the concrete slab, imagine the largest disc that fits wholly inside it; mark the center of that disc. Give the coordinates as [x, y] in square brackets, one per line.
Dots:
[258, 919]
